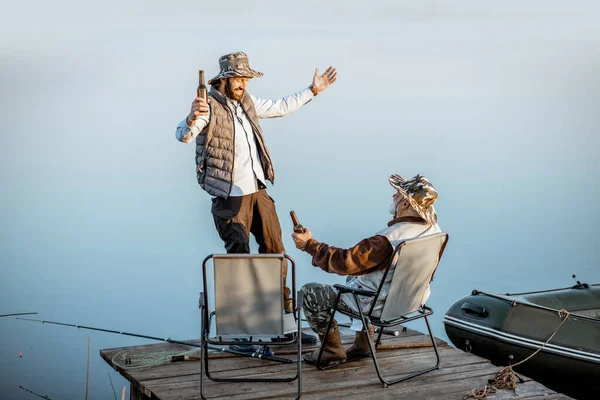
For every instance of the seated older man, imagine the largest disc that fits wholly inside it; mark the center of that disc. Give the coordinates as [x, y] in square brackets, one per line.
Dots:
[413, 216]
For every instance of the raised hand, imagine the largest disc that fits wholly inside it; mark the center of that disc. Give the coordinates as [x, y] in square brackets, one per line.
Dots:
[199, 109]
[322, 82]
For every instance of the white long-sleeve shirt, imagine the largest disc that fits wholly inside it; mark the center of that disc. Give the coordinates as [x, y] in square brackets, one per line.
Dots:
[247, 167]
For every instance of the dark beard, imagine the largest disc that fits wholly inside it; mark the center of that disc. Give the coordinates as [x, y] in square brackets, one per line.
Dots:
[229, 93]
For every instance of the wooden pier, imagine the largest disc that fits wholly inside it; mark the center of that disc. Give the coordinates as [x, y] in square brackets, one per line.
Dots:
[459, 373]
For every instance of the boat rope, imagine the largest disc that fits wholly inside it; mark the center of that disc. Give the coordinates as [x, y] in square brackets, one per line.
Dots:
[506, 378]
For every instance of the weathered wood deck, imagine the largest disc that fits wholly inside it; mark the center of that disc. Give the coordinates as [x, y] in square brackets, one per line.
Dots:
[458, 374]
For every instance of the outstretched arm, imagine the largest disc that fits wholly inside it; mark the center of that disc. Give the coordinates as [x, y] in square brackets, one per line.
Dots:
[288, 104]
[357, 260]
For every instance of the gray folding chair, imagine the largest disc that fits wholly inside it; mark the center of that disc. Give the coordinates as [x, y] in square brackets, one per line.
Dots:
[248, 301]
[410, 271]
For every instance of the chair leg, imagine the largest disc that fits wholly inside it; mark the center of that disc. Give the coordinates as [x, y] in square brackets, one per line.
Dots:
[378, 341]
[373, 346]
[413, 374]
[204, 365]
[435, 348]
[299, 348]
[203, 354]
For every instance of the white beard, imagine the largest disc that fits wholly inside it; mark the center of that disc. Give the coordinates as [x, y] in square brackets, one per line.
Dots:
[393, 208]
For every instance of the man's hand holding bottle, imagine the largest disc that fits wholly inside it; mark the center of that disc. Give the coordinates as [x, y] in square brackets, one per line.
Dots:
[302, 238]
[200, 108]
[301, 234]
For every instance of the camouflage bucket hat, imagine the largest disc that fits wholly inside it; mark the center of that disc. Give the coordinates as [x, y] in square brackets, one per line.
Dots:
[419, 192]
[235, 64]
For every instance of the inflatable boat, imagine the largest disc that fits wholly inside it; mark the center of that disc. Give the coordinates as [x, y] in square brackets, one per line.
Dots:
[508, 328]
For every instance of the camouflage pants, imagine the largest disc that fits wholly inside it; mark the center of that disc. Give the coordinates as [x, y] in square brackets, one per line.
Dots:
[318, 303]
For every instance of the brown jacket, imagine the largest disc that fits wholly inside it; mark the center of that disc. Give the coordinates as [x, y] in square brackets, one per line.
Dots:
[368, 255]
[365, 263]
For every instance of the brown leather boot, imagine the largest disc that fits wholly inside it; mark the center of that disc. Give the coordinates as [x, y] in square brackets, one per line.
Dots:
[360, 347]
[333, 351]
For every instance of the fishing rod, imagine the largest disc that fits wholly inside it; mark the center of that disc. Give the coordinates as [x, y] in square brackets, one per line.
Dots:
[12, 315]
[112, 331]
[111, 385]
[38, 395]
[263, 356]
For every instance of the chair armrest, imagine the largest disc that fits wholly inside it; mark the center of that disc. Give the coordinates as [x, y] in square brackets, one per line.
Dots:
[362, 292]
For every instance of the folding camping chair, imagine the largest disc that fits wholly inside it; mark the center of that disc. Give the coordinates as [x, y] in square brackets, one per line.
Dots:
[412, 266]
[248, 302]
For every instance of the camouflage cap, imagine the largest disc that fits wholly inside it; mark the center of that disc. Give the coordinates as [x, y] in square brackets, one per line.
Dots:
[235, 64]
[419, 192]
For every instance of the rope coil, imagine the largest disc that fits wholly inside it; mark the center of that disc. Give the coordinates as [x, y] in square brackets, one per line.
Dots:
[506, 378]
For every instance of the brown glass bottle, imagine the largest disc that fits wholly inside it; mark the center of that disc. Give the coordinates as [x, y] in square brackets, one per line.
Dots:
[298, 228]
[202, 90]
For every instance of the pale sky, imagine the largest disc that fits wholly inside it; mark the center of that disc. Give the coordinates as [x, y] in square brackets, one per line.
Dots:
[103, 222]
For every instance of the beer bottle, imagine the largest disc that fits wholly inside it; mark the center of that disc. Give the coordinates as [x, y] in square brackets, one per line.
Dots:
[298, 228]
[202, 91]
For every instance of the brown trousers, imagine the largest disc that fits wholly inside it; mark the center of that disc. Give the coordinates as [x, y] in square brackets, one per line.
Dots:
[238, 216]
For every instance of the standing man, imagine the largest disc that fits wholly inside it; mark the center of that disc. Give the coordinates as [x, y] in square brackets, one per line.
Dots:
[232, 159]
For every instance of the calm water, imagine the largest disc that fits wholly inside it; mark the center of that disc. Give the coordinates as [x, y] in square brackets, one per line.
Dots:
[102, 223]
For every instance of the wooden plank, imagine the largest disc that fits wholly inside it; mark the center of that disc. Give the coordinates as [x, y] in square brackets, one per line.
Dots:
[152, 347]
[555, 396]
[390, 344]
[360, 374]
[527, 389]
[318, 383]
[135, 352]
[454, 385]
[449, 390]
[347, 337]
[469, 372]
[135, 394]
[246, 366]
[347, 369]
[460, 372]
[250, 367]
[403, 340]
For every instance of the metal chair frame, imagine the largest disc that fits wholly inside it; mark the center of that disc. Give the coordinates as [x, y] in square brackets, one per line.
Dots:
[366, 319]
[205, 340]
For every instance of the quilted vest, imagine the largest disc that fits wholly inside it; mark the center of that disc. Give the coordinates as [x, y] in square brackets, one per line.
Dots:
[215, 146]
